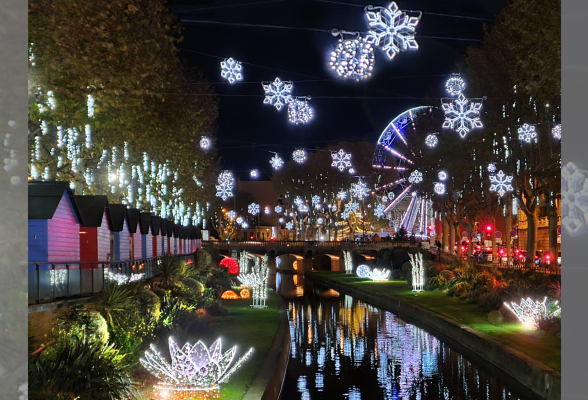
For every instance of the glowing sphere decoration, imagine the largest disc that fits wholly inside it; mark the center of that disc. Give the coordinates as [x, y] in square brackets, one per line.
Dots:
[439, 188]
[299, 156]
[556, 131]
[299, 112]
[527, 133]
[431, 140]
[277, 93]
[267, 210]
[245, 294]
[363, 271]
[240, 220]
[276, 162]
[230, 295]
[231, 265]
[353, 59]
[454, 85]
[231, 70]
[442, 175]
[205, 143]
[195, 370]
[391, 29]
[254, 173]
[320, 220]
[492, 167]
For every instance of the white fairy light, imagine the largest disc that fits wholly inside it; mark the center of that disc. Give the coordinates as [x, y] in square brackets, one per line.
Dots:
[341, 160]
[379, 276]
[299, 156]
[231, 70]
[193, 367]
[379, 211]
[439, 187]
[391, 29]
[415, 177]
[462, 115]
[418, 272]
[363, 271]
[224, 186]
[277, 93]
[442, 175]
[281, 220]
[299, 112]
[491, 167]
[254, 173]
[253, 208]
[530, 312]
[359, 190]
[276, 162]
[353, 59]
[278, 209]
[454, 85]
[431, 140]
[556, 131]
[501, 183]
[205, 143]
[527, 133]
[90, 103]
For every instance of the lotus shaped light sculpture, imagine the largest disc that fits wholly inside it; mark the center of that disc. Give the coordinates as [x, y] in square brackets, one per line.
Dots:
[530, 312]
[193, 368]
[379, 276]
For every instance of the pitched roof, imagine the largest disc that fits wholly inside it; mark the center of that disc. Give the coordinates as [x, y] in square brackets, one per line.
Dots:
[116, 214]
[44, 198]
[145, 222]
[133, 216]
[92, 209]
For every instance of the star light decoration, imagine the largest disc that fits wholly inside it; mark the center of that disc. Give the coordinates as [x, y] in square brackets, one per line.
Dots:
[418, 272]
[253, 208]
[454, 85]
[231, 70]
[391, 29]
[363, 271]
[277, 93]
[341, 160]
[431, 140]
[359, 190]
[353, 58]
[462, 115]
[276, 162]
[299, 112]
[415, 177]
[439, 187]
[530, 312]
[527, 133]
[556, 131]
[379, 211]
[379, 276]
[205, 143]
[501, 183]
[574, 198]
[299, 156]
[224, 186]
[195, 369]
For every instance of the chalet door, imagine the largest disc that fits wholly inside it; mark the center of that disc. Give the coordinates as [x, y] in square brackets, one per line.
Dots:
[132, 247]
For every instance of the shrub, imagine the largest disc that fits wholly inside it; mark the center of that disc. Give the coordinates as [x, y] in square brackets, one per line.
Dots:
[216, 309]
[218, 280]
[80, 321]
[396, 274]
[148, 303]
[551, 325]
[194, 324]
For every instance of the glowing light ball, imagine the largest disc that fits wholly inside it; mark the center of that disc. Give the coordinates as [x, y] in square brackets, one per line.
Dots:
[254, 173]
[245, 294]
[205, 143]
[230, 295]
[363, 271]
[455, 85]
[442, 175]
[231, 265]
[353, 59]
[431, 140]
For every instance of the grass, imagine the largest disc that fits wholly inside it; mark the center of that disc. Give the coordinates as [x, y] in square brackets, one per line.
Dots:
[537, 344]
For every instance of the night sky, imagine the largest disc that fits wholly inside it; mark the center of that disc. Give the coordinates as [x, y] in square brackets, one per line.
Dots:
[248, 129]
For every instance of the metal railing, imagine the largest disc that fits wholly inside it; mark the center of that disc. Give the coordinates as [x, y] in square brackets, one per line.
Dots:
[545, 269]
[64, 280]
[310, 244]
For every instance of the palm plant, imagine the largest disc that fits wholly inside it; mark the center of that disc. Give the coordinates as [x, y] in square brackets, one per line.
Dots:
[171, 268]
[115, 303]
[79, 368]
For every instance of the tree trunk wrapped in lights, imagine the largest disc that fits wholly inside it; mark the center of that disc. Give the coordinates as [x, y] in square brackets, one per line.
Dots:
[418, 272]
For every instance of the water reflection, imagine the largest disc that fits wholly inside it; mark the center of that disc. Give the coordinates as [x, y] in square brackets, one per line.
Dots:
[343, 348]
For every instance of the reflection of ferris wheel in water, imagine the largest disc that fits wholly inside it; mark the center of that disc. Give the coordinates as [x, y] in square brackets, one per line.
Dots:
[402, 202]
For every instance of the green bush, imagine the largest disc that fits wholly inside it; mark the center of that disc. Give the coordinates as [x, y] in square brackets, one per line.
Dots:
[193, 324]
[148, 303]
[551, 325]
[80, 321]
[216, 309]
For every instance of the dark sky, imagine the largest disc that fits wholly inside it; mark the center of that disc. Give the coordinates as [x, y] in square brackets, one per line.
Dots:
[248, 129]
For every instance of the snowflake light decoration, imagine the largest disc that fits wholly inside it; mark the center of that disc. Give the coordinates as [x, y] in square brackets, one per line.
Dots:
[527, 133]
[254, 173]
[350, 208]
[224, 186]
[462, 115]
[556, 131]
[379, 276]
[299, 156]
[316, 199]
[415, 177]
[232, 214]
[276, 162]
[574, 198]
[245, 225]
[278, 209]
[379, 211]
[363, 271]
[359, 190]
[418, 272]
[299, 112]
[439, 188]
[353, 59]
[341, 160]
[501, 183]
[231, 70]
[240, 220]
[289, 225]
[431, 140]
[205, 143]
[492, 167]
[391, 29]
[277, 93]
[530, 312]
[194, 368]
[454, 85]
[303, 208]
[253, 208]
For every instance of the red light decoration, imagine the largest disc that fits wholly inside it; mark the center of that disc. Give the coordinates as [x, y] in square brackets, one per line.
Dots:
[230, 295]
[489, 228]
[231, 265]
[245, 294]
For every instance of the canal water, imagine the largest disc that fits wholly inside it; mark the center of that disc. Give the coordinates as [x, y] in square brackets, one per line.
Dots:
[343, 348]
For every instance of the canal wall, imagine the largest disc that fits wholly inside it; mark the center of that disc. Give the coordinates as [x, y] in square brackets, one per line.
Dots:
[510, 365]
[268, 383]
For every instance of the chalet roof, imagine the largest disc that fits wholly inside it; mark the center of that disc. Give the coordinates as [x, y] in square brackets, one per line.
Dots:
[155, 224]
[145, 222]
[44, 198]
[116, 214]
[177, 229]
[164, 223]
[133, 216]
[92, 209]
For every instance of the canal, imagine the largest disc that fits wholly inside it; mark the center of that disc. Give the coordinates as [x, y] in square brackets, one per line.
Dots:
[343, 348]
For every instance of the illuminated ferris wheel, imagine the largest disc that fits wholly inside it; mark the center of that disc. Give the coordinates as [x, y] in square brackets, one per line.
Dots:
[403, 204]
